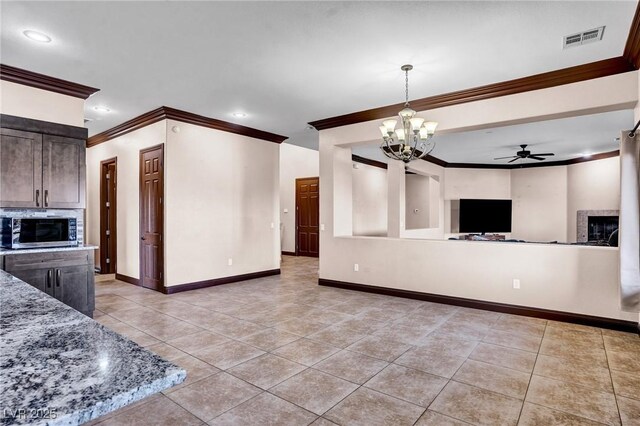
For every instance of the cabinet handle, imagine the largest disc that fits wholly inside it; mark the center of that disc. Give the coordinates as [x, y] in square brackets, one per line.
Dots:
[46, 198]
[37, 198]
[49, 277]
[58, 277]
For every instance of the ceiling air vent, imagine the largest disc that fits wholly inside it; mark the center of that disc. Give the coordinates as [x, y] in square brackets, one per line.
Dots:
[584, 37]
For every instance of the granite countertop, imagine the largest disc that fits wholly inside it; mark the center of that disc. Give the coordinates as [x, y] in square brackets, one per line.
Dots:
[59, 367]
[6, 251]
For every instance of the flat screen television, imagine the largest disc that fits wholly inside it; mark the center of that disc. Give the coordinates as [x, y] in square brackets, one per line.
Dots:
[481, 216]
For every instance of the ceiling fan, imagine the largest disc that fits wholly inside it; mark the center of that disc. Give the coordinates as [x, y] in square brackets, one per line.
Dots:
[526, 154]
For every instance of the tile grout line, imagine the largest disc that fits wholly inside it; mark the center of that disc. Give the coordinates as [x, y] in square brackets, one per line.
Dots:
[291, 297]
[613, 387]
[524, 399]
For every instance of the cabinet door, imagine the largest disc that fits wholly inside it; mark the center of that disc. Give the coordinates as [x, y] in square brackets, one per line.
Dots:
[42, 279]
[71, 286]
[63, 172]
[20, 169]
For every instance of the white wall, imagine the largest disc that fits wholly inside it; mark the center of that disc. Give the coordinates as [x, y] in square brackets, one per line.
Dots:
[127, 151]
[438, 220]
[539, 197]
[369, 200]
[216, 206]
[477, 183]
[38, 104]
[566, 278]
[295, 162]
[417, 197]
[594, 185]
[222, 202]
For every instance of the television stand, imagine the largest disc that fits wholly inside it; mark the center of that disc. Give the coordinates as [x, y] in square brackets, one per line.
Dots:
[482, 237]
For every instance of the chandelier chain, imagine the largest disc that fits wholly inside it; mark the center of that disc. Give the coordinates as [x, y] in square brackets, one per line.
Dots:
[406, 87]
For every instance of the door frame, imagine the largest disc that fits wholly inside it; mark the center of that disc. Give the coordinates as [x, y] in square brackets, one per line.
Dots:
[161, 214]
[103, 219]
[296, 198]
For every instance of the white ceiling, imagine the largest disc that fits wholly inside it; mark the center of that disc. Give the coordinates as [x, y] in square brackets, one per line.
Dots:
[567, 138]
[288, 63]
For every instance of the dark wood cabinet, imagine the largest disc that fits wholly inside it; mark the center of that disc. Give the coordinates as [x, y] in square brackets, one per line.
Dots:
[65, 275]
[39, 278]
[20, 169]
[41, 171]
[71, 286]
[63, 172]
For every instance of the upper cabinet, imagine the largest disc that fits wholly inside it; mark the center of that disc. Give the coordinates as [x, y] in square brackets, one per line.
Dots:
[20, 169]
[63, 172]
[40, 170]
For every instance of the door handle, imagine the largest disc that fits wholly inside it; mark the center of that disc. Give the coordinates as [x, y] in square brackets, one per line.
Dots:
[37, 198]
[49, 277]
[46, 198]
[58, 277]
[143, 238]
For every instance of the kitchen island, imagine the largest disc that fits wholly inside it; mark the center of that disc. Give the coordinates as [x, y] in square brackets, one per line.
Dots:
[59, 367]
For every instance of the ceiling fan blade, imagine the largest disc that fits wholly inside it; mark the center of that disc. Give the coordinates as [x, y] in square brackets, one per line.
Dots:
[517, 158]
[504, 158]
[536, 158]
[543, 155]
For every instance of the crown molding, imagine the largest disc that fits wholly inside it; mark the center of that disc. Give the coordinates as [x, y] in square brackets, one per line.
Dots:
[632, 48]
[44, 82]
[568, 162]
[368, 161]
[167, 113]
[560, 77]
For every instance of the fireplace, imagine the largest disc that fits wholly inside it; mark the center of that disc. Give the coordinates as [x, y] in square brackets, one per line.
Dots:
[596, 225]
[600, 228]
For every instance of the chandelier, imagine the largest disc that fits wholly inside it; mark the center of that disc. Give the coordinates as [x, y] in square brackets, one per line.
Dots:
[414, 137]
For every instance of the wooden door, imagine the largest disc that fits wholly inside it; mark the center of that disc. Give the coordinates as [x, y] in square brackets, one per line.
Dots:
[20, 169]
[63, 172]
[308, 217]
[108, 216]
[151, 217]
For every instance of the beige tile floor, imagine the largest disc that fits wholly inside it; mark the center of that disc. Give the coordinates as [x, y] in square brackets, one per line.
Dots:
[284, 351]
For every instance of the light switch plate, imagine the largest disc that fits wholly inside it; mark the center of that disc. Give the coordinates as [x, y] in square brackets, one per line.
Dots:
[286, 210]
[322, 226]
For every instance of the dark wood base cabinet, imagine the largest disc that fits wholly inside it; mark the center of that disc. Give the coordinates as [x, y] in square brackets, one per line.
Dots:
[65, 275]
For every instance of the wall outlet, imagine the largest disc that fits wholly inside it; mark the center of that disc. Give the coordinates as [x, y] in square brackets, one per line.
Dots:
[286, 210]
[516, 283]
[356, 267]
[322, 226]
[230, 262]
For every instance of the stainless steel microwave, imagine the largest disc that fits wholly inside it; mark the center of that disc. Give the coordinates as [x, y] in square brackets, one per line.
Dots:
[38, 232]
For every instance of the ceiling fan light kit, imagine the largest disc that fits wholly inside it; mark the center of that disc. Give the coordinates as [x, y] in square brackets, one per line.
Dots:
[413, 140]
[524, 154]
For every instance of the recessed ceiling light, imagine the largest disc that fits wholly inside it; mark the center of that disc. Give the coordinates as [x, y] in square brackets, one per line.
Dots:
[586, 154]
[239, 114]
[37, 36]
[101, 109]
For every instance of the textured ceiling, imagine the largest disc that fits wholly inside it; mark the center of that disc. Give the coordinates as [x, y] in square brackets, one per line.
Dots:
[287, 63]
